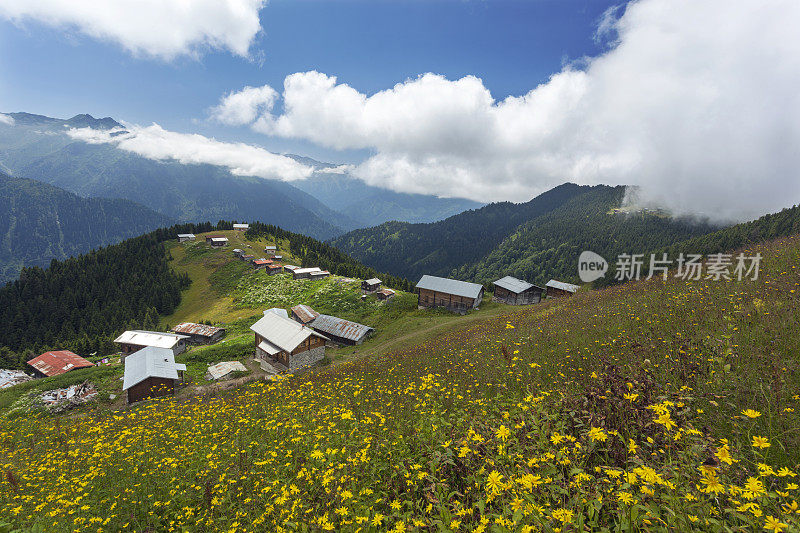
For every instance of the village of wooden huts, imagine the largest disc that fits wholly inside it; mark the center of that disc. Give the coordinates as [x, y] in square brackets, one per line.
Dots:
[557, 288]
[150, 373]
[454, 295]
[284, 345]
[513, 291]
[134, 340]
[199, 333]
[57, 362]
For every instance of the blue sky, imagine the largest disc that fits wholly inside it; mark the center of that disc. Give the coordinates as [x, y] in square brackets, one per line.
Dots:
[513, 45]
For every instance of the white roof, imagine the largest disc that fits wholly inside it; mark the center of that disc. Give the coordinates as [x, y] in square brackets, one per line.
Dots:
[189, 235]
[278, 311]
[268, 248]
[150, 338]
[373, 281]
[150, 362]
[224, 368]
[307, 270]
[569, 287]
[241, 226]
[450, 286]
[219, 239]
[291, 267]
[282, 333]
[513, 284]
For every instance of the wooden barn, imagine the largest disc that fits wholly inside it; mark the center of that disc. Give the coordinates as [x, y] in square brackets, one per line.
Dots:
[284, 345]
[303, 314]
[183, 237]
[134, 340]
[454, 295]
[370, 285]
[305, 273]
[271, 250]
[513, 291]
[274, 268]
[241, 227]
[262, 263]
[385, 294]
[199, 333]
[247, 258]
[219, 241]
[57, 362]
[556, 289]
[151, 373]
[341, 331]
[319, 274]
[209, 238]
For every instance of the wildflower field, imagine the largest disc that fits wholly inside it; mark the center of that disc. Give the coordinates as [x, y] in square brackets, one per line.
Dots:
[652, 406]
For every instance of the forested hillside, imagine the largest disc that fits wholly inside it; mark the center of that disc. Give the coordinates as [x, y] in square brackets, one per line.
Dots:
[39, 222]
[548, 246]
[315, 253]
[411, 250]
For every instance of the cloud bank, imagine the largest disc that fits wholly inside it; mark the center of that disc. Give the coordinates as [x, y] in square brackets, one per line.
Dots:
[160, 28]
[695, 101]
[154, 142]
[5, 119]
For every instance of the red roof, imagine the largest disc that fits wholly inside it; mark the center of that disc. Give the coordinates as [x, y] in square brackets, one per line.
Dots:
[60, 362]
[262, 262]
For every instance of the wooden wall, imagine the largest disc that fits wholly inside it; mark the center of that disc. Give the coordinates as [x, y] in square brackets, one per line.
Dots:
[151, 388]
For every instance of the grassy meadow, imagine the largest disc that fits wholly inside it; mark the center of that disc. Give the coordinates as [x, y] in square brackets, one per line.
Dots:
[652, 406]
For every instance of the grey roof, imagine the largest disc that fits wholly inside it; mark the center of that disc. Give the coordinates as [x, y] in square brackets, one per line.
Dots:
[281, 332]
[268, 248]
[340, 327]
[150, 362]
[278, 311]
[373, 281]
[569, 287]
[241, 226]
[515, 285]
[187, 235]
[150, 338]
[450, 286]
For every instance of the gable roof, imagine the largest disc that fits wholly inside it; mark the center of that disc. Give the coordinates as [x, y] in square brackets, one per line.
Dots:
[515, 285]
[282, 333]
[150, 338]
[187, 235]
[150, 362]
[372, 281]
[569, 287]
[450, 286]
[58, 362]
[340, 327]
[190, 328]
[305, 313]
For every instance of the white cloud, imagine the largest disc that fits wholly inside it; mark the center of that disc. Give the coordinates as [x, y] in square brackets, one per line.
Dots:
[159, 28]
[154, 142]
[245, 106]
[5, 119]
[695, 101]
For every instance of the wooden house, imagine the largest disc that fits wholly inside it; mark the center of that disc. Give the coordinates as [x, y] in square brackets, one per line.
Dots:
[370, 285]
[57, 362]
[341, 331]
[385, 294]
[199, 333]
[151, 373]
[556, 289]
[319, 274]
[454, 295]
[183, 237]
[209, 238]
[274, 268]
[290, 268]
[241, 227]
[271, 250]
[261, 263]
[303, 314]
[134, 340]
[513, 291]
[238, 252]
[284, 345]
[304, 273]
[247, 257]
[219, 241]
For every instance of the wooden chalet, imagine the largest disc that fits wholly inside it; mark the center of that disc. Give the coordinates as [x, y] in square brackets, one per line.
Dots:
[247, 257]
[238, 252]
[209, 238]
[513, 291]
[556, 289]
[341, 331]
[57, 362]
[370, 285]
[183, 237]
[454, 295]
[303, 314]
[199, 333]
[261, 264]
[319, 274]
[241, 227]
[218, 242]
[274, 268]
[134, 340]
[271, 250]
[284, 345]
[151, 373]
[304, 273]
[290, 268]
[384, 294]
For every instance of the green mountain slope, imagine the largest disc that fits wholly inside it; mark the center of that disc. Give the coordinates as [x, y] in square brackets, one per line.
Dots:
[548, 246]
[39, 222]
[411, 250]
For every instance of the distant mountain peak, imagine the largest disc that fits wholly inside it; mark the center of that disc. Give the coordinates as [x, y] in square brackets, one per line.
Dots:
[82, 120]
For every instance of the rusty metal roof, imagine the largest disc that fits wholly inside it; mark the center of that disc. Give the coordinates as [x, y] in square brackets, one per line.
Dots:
[58, 362]
[304, 313]
[262, 262]
[190, 328]
[340, 327]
